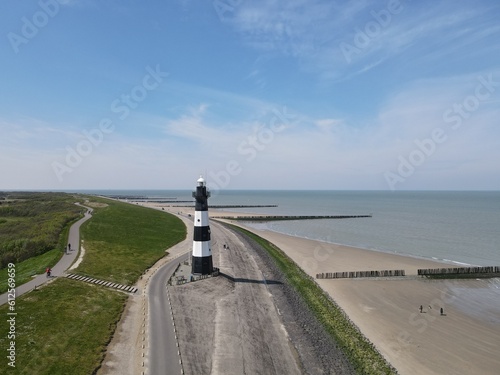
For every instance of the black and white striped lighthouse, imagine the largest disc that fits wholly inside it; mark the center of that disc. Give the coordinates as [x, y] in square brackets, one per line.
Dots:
[202, 248]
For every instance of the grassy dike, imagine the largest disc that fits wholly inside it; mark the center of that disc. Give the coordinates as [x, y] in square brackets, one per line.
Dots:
[37, 265]
[361, 353]
[122, 240]
[26, 269]
[65, 326]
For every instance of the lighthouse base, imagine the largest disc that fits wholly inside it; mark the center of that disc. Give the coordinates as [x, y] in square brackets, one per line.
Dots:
[202, 265]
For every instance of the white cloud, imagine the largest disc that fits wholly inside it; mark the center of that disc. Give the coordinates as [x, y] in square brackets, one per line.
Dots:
[334, 154]
[309, 152]
[327, 124]
[191, 126]
[312, 32]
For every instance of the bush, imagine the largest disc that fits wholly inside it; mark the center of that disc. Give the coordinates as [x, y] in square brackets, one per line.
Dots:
[32, 223]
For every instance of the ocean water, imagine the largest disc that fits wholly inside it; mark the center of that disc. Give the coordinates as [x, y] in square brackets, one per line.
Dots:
[459, 227]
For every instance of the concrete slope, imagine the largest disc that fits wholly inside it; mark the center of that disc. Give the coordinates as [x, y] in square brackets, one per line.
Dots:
[229, 324]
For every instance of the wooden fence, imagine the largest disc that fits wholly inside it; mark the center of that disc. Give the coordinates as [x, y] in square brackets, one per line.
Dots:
[354, 274]
[458, 270]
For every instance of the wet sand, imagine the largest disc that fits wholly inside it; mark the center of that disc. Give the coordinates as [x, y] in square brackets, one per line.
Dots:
[387, 310]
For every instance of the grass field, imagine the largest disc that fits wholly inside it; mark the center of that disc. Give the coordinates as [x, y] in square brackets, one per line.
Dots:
[32, 224]
[62, 328]
[36, 265]
[361, 353]
[123, 240]
[33, 231]
[33, 266]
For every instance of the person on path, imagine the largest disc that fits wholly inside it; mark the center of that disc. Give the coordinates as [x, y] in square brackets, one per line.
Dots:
[48, 271]
[69, 247]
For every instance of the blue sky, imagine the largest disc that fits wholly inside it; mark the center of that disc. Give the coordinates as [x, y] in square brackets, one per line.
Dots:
[297, 94]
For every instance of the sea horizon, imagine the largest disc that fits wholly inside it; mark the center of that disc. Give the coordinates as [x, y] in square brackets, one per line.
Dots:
[98, 190]
[453, 226]
[458, 226]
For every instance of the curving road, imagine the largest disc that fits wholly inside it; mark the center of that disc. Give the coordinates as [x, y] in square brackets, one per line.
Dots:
[238, 318]
[238, 328]
[63, 264]
[163, 355]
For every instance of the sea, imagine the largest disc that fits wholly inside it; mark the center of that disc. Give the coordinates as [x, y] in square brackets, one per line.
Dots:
[457, 227]
[461, 228]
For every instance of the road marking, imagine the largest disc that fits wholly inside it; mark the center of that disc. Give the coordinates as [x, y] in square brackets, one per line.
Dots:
[109, 284]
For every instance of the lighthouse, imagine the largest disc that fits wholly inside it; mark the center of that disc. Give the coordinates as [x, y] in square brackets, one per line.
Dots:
[202, 248]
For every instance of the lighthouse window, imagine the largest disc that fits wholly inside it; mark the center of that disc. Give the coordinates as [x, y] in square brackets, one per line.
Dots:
[198, 219]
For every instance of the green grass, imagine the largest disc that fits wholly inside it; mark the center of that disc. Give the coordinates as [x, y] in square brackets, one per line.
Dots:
[33, 266]
[361, 353]
[62, 328]
[36, 265]
[123, 240]
[32, 224]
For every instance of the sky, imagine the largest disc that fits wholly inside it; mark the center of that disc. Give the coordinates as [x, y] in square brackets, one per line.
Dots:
[261, 94]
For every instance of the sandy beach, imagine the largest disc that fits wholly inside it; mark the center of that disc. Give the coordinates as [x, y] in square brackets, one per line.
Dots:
[465, 340]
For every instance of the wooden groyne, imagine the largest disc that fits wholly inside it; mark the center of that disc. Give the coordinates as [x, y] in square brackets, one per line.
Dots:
[234, 206]
[458, 271]
[354, 274]
[121, 197]
[160, 201]
[241, 205]
[288, 217]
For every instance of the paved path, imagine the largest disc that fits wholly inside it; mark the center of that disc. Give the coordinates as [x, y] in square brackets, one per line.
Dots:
[163, 351]
[62, 265]
[163, 355]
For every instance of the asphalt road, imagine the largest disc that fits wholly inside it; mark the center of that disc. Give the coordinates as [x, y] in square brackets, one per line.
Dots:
[163, 351]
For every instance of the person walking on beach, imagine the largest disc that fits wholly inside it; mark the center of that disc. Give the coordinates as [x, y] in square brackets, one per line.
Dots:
[421, 309]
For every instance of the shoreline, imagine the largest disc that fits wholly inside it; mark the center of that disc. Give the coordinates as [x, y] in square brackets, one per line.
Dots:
[427, 262]
[386, 310]
[464, 340]
[251, 226]
[383, 251]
